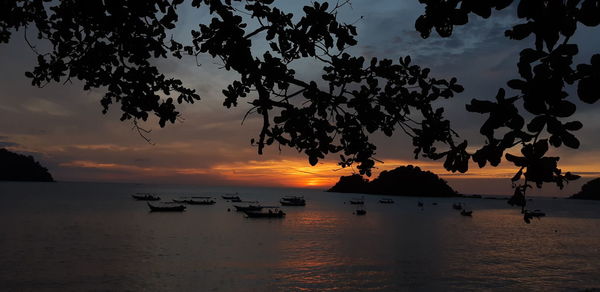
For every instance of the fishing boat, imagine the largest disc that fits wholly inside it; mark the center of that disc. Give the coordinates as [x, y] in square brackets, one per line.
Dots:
[386, 201]
[293, 201]
[272, 212]
[248, 208]
[230, 196]
[466, 213]
[195, 202]
[145, 197]
[202, 202]
[178, 208]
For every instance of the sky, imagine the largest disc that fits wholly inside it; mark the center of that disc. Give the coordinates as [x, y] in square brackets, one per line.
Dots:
[63, 127]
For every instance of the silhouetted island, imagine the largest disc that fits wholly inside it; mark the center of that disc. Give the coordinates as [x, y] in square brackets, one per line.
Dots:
[17, 167]
[589, 191]
[402, 181]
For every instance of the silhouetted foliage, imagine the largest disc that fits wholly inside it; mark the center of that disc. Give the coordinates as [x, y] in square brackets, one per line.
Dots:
[110, 45]
[402, 181]
[17, 167]
[107, 44]
[546, 71]
[589, 191]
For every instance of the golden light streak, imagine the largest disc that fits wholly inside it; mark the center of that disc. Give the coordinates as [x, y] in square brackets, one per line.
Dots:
[298, 173]
[191, 171]
[92, 164]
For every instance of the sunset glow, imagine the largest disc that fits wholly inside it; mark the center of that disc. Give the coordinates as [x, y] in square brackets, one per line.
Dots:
[316, 145]
[296, 172]
[62, 125]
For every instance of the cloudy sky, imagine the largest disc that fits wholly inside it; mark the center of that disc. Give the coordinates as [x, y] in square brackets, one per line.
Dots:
[63, 126]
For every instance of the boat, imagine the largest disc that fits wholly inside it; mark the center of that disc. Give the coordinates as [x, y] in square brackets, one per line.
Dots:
[202, 202]
[145, 197]
[230, 196]
[270, 213]
[361, 212]
[386, 201]
[420, 204]
[457, 206]
[233, 198]
[248, 208]
[293, 201]
[194, 202]
[178, 208]
[357, 201]
[466, 213]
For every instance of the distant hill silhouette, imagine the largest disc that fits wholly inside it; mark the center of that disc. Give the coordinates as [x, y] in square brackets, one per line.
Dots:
[17, 167]
[402, 181]
[589, 191]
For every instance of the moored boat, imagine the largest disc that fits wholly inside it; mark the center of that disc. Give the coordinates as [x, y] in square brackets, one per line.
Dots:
[248, 208]
[202, 202]
[293, 201]
[154, 208]
[270, 213]
[145, 197]
[230, 196]
[361, 212]
[195, 202]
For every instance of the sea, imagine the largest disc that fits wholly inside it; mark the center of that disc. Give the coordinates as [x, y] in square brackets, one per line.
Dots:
[70, 236]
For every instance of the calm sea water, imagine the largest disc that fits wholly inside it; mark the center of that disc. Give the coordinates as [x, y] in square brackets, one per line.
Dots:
[88, 236]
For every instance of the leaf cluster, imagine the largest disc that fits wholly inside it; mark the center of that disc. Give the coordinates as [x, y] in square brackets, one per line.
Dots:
[111, 45]
[546, 71]
[353, 98]
[106, 44]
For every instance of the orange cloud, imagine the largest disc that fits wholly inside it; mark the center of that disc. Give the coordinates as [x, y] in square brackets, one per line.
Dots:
[297, 172]
[92, 164]
[109, 147]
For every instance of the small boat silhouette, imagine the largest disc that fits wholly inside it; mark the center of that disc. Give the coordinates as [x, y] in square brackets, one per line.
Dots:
[179, 208]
